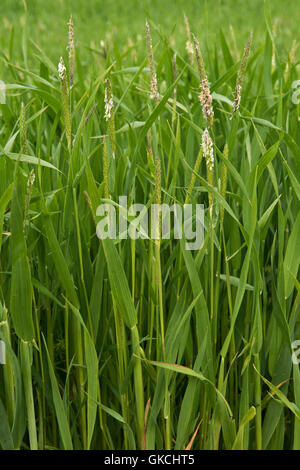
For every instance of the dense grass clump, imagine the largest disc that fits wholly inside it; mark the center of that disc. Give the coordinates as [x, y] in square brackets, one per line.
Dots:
[125, 344]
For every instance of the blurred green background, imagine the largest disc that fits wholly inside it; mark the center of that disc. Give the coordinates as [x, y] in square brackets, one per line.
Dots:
[122, 20]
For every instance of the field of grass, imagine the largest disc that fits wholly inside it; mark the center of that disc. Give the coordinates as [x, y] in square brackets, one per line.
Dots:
[143, 344]
[119, 21]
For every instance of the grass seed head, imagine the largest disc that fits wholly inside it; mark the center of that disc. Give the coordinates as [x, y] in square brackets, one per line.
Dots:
[245, 57]
[237, 98]
[240, 77]
[199, 58]
[189, 44]
[109, 104]
[208, 150]
[109, 114]
[205, 95]
[206, 101]
[71, 49]
[208, 153]
[154, 86]
[62, 73]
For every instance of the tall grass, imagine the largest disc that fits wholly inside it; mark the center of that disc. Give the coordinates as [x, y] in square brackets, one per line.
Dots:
[141, 343]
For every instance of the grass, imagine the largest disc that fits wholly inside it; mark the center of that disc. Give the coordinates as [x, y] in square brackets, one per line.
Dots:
[99, 20]
[143, 344]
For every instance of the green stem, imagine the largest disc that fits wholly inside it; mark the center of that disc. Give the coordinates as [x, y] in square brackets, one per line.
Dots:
[138, 385]
[27, 379]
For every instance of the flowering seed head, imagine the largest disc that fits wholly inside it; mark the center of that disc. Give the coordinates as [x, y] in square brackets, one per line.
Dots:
[154, 95]
[205, 95]
[237, 98]
[109, 115]
[71, 32]
[189, 44]
[208, 153]
[208, 150]
[245, 56]
[199, 58]
[206, 101]
[65, 100]
[109, 104]
[62, 69]
[31, 178]
[154, 87]
[240, 77]
[71, 48]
